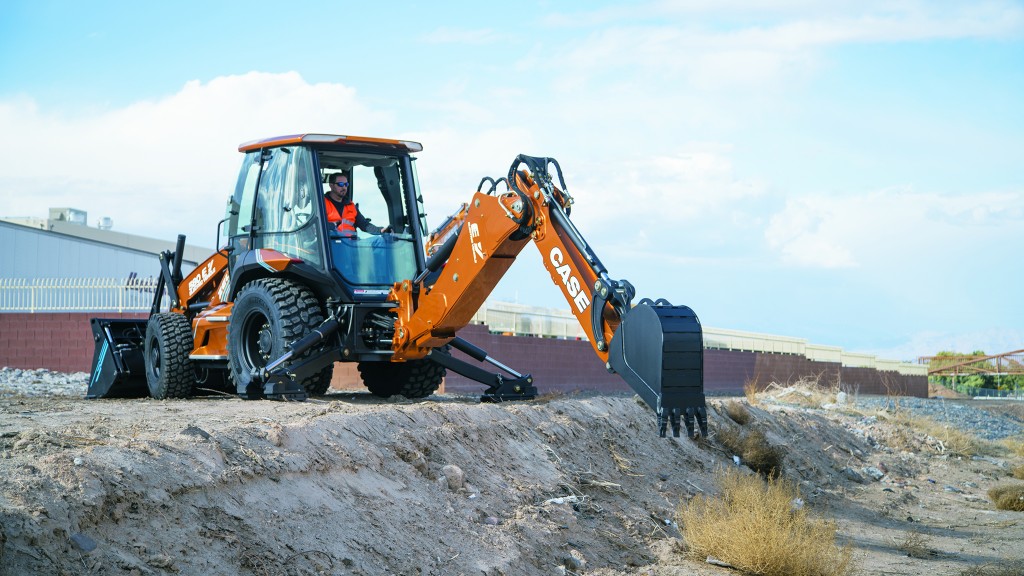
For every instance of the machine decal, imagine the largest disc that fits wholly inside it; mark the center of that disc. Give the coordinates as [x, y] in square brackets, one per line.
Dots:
[200, 278]
[571, 283]
[222, 294]
[478, 247]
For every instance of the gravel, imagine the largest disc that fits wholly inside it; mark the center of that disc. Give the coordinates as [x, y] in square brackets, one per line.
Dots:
[965, 415]
[41, 382]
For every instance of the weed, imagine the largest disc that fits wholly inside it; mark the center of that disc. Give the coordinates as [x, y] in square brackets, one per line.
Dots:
[1005, 568]
[738, 412]
[750, 391]
[753, 449]
[915, 545]
[1008, 497]
[808, 392]
[1018, 472]
[788, 541]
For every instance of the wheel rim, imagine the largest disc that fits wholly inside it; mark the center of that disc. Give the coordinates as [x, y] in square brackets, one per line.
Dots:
[154, 358]
[257, 341]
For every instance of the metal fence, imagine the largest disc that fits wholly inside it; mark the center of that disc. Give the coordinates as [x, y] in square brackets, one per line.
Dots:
[992, 393]
[131, 294]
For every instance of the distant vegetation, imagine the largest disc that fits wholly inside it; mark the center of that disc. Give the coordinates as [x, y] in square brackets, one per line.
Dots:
[964, 382]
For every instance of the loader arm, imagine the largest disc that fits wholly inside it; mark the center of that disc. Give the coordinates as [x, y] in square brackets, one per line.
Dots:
[656, 347]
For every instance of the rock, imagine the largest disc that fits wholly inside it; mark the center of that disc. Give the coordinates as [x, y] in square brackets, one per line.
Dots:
[841, 398]
[953, 489]
[492, 521]
[873, 472]
[78, 461]
[83, 542]
[852, 475]
[161, 561]
[575, 561]
[191, 430]
[454, 476]
[716, 562]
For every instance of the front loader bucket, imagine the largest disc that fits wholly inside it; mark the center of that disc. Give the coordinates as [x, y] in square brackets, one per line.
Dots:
[118, 369]
[658, 350]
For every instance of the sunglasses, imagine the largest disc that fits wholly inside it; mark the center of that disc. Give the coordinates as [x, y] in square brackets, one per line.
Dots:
[341, 184]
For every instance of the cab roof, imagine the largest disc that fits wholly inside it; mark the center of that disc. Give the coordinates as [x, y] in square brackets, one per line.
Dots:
[334, 139]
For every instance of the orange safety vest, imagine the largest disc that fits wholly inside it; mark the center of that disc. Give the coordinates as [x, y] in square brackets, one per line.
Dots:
[346, 220]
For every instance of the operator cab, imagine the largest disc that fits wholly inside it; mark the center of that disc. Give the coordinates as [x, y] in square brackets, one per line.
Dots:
[371, 262]
[280, 204]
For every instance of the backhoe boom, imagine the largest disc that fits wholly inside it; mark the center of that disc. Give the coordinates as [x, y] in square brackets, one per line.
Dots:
[656, 347]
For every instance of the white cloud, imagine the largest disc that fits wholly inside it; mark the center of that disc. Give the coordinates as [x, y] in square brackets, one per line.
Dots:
[662, 191]
[164, 166]
[889, 226]
[991, 341]
[714, 46]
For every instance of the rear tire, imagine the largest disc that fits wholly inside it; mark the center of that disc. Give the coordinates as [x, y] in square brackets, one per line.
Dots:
[169, 371]
[412, 379]
[268, 315]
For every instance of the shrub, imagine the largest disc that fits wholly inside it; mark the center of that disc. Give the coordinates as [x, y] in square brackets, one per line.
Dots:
[738, 412]
[1008, 497]
[754, 450]
[1004, 568]
[915, 545]
[788, 541]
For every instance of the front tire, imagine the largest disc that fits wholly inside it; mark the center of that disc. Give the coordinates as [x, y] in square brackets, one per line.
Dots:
[169, 371]
[268, 315]
[412, 379]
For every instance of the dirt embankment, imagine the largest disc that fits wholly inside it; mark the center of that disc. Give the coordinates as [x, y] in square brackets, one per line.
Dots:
[354, 485]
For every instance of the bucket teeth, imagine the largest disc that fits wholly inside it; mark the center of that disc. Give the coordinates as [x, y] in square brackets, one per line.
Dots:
[700, 414]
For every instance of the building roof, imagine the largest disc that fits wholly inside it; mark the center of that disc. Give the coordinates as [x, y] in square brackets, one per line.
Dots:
[193, 254]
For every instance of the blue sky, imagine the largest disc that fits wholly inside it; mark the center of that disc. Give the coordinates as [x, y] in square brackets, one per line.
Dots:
[845, 172]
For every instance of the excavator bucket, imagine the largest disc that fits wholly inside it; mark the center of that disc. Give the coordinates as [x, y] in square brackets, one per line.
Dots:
[658, 350]
[118, 369]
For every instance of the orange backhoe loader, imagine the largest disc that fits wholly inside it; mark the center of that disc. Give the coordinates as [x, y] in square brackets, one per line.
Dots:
[291, 293]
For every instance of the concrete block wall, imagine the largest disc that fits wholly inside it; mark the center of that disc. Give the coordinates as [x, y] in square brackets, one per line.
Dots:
[60, 341]
[63, 342]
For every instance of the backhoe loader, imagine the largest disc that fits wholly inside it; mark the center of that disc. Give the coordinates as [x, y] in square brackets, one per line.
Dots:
[290, 293]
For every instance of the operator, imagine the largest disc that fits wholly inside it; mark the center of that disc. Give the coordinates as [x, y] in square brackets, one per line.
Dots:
[343, 213]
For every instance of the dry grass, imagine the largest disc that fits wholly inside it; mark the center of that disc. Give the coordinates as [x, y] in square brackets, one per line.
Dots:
[737, 412]
[753, 449]
[1014, 445]
[1004, 568]
[953, 441]
[750, 391]
[807, 392]
[1008, 497]
[752, 526]
[1018, 472]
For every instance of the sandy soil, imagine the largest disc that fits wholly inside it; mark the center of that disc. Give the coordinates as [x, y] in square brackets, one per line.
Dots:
[350, 484]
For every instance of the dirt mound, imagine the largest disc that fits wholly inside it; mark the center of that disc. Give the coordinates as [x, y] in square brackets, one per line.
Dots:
[940, 391]
[354, 485]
